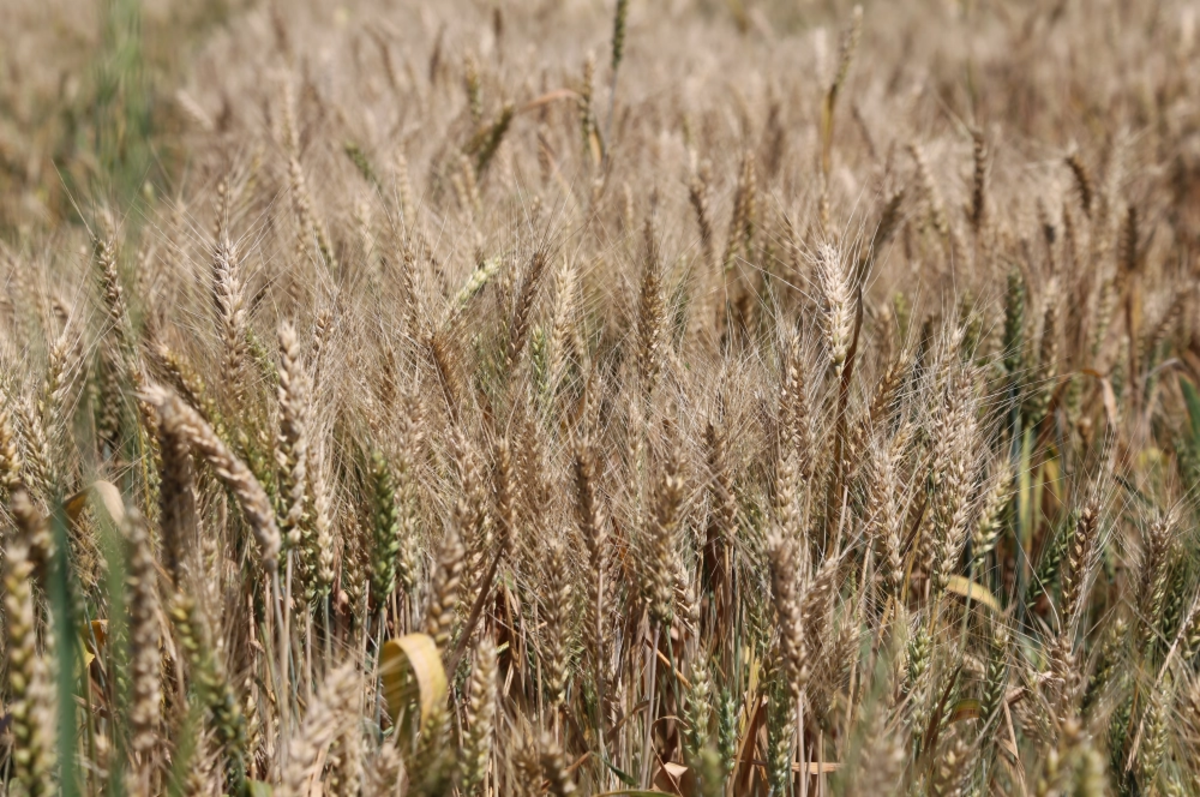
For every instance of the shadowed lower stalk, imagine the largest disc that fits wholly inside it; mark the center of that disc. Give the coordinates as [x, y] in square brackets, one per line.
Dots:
[648, 733]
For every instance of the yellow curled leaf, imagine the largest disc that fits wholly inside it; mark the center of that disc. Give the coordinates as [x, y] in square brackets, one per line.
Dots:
[99, 632]
[674, 773]
[412, 673]
[103, 492]
[960, 585]
[93, 642]
[964, 710]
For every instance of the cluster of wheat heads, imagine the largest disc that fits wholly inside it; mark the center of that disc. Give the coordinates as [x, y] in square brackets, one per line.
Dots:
[784, 417]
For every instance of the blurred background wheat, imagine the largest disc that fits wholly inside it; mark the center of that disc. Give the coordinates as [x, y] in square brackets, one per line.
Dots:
[709, 397]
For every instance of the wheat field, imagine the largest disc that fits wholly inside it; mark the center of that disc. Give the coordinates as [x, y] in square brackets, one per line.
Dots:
[611, 397]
